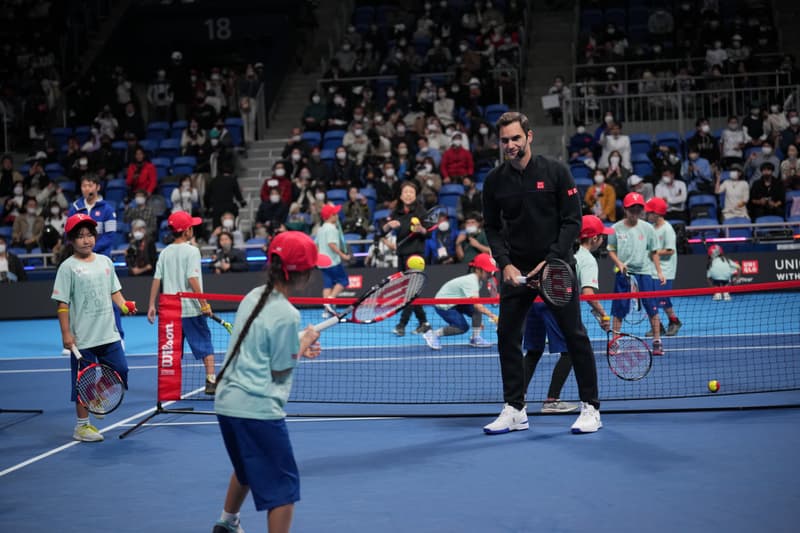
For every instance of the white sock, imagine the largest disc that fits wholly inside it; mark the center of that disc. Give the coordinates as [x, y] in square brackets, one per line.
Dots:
[211, 378]
[231, 518]
[439, 332]
[83, 421]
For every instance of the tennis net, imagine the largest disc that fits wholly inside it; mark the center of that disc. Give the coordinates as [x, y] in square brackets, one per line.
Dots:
[750, 343]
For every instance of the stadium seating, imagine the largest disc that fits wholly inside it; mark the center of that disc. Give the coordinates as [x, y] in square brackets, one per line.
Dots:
[183, 165]
[60, 135]
[313, 138]
[170, 148]
[493, 112]
[337, 196]
[704, 234]
[738, 232]
[641, 143]
[157, 131]
[235, 125]
[332, 139]
[54, 170]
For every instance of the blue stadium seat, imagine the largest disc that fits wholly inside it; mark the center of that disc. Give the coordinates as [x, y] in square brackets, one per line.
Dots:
[54, 170]
[638, 16]
[337, 196]
[5, 232]
[763, 232]
[184, 165]
[363, 15]
[115, 194]
[704, 234]
[669, 138]
[162, 161]
[616, 16]
[313, 138]
[170, 148]
[176, 129]
[150, 146]
[493, 112]
[641, 143]
[590, 19]
[157, 131]
[702, 199]
[83, 133]
[380, 214]
[452, 188]
[119, 146]
[583, 185]
[34, 261]
[235, 125]
[643, 168]
[738, 232]
[332, 139]
[60, 135]
[580, 171]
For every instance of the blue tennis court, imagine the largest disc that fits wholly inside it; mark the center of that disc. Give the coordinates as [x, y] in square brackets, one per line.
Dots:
[373, 469]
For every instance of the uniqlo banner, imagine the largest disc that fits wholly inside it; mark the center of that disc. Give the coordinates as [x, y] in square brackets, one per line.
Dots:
[170, 347]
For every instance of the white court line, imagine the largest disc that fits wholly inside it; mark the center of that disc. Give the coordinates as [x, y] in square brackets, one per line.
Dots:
[68, 445]
[288, 419]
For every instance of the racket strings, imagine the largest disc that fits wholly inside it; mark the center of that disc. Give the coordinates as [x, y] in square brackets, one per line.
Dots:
[557, 283]
[389, 298]
[99, 388]
[629, 358]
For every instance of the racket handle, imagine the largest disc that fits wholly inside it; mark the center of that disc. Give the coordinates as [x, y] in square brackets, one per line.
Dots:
[325, 324]
[522, 280]
[76, 353]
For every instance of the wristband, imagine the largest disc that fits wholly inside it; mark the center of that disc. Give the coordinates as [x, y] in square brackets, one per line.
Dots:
[605, 318]
[64, 310]
[205, 308]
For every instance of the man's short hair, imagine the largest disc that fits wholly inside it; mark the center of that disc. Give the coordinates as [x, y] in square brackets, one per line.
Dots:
[509, 117]
[91, 176]
[474, 215]
[767, 164]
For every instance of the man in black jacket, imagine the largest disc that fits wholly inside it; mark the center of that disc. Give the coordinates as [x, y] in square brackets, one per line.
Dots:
[532, 213]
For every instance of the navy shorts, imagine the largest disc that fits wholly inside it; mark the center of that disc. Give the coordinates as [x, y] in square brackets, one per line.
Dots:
[110, 354]
[665, 302]
[620, 308]
[198, 335]
[334, 275]
[540, 322]
[455, 315]
[262, 459]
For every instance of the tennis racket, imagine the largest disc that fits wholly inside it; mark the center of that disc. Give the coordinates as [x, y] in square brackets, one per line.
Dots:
[224, 323]
[628, 356]
[636, 314]
[99, 386]
[430, 221]
[555, 282]
[381, 301]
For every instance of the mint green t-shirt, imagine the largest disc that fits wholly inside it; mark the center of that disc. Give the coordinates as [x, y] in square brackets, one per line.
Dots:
[586, 269]
[466, 286]
[247, 388]
[633, 246]
[176, 264]
[86, 287]
[721, 269]
[329, 233]
[665, 237]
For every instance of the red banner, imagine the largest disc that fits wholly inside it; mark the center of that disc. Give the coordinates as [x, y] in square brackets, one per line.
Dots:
[170, 347]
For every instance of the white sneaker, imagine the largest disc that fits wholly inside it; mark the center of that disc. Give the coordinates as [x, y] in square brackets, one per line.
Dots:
[588, 421]
[726, 296]
[717, 297]
[510, 419]
[558, 406]
[432, 339]
[87, 433]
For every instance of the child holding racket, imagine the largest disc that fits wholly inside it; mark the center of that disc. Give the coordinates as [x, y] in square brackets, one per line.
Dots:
[178, 267]
[85, 286]
[254, 385]
[481, 268]
[656, 209]
[330, 242]
[634, 250]
[720, 271]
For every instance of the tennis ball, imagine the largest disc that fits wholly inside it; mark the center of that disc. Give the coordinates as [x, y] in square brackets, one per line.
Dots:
[713, 385]
[414, 221]
[415, 262]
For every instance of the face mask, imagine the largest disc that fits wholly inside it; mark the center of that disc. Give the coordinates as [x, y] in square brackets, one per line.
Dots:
[341, 156]
[390, 93]
[138, 235]
[402, 151]
[320, 196]
[457, 143]
[666, 179]
[18, 190]
[792, 155]
[471, 230]
[773, 109]
[484, 131]
[275, 198]
[55, 211]
[609, 120]
[315, 99]
[358, 132]
[401, 130]
[705, 128]
[140, 200]
[614, 160]
[315, 156]
[296, 156]
[599, 179]
[428, 167]
[2, 248]
[389, 172]
[766, 150]
[444, 226]
[429, 182]
[734, 174]
[227, 223]
[463, 47]
[794, 121]
[31, 210]
[733, 125]
[305, 175]
[280, 172]
[581, 130]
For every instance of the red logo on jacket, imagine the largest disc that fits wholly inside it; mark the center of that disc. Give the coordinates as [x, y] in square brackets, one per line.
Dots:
[540, 185]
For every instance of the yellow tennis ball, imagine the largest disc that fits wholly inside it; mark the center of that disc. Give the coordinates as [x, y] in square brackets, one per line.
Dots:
[414, 221]
[415, 262]
[713, 385]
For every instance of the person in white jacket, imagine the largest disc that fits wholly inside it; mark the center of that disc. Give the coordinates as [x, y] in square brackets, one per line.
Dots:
[614, 140]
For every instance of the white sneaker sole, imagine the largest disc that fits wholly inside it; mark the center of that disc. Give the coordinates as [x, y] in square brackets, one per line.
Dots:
[579, 431]
[522, 426]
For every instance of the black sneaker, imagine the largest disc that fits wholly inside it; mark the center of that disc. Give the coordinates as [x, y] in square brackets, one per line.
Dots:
[422, 328]
[211, 387]
[399, 330]
[673, 328]
[650, 331]
[658, 349]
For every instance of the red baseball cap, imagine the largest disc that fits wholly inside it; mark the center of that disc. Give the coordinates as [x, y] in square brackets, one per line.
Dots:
[76, 219]
[633, 198]
[297, 251]
[328, 210]
[592, 225]
[485, 262]
[181, 221]
[656, 205]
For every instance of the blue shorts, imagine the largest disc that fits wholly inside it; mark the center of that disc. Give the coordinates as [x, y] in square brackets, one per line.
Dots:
[540, 321]
[198, 335]
[621, 308]
[665, 302]
[110, 354]
[334, 275]
[455, 315]
[262, 459]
